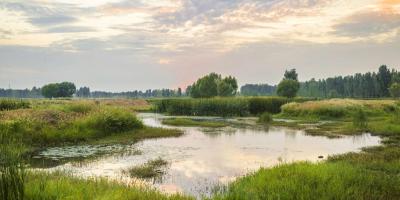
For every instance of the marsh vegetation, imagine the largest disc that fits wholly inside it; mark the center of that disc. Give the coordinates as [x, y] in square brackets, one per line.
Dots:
[31, 126]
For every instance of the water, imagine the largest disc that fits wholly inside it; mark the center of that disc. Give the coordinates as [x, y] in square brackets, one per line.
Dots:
[204, 157]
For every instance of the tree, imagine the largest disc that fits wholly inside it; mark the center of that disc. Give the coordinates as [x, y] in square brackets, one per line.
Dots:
[290, 75]
[213, 85]
[384, 79]
[288, 88]
[179, 93]
[83, 92]
[395, 90]
[64, 89]
[50, 90]
[230, 80]
[225, 89]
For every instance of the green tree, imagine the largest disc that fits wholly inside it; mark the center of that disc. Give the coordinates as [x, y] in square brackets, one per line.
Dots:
[83, 92]
[225, 89]
[384, 79]
[288, 88]
[290, 75]
[230, 80]
[50, 90]
[395, 90]
[54, 90]
[213, 85]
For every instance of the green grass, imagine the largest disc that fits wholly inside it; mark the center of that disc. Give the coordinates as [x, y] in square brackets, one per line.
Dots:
[370, 174]
[191, 122]
[61, 122]
[331, 180]
[151, 169]
[12, 173]
[62, 186]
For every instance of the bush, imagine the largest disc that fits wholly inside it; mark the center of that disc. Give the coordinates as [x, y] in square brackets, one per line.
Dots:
[113, 121]
[12, 104]
[265, 118]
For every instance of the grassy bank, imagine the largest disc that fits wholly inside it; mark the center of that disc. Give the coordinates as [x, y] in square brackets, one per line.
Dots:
[192, 122]
[58, 122]
[370, 174]
[62, 186]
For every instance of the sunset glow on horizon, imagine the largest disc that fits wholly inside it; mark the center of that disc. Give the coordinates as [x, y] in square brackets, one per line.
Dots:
[118, 43]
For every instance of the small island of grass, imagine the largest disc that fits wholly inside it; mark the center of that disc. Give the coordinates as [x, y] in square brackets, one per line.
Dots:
[192, 122]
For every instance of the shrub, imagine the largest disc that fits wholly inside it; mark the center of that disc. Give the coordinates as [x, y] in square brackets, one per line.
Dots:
[265, 118]
[12, 104]
[113, 121]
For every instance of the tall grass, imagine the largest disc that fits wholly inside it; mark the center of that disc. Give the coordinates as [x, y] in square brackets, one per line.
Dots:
[12, 104]
[204, 107]
[338, 180]
[221, 106]
[45, 186]
[48, 127]
[12, 173]
[337, 108]
[110, 121]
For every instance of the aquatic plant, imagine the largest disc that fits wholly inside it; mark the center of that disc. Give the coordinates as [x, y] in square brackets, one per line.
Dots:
[265, 118]
[191, 122]
[149, 169]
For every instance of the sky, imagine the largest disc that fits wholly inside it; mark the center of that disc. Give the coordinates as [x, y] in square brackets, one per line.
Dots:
[119, 45]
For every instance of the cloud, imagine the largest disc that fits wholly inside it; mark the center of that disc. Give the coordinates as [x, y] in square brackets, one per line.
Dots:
[70, 29]
[193, 37]
[368, 23]
[52, 20]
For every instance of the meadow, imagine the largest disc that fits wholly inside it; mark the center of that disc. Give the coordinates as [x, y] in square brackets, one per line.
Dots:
[372, 173]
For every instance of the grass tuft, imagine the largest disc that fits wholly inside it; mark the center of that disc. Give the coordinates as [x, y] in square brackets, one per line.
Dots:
[151, 169]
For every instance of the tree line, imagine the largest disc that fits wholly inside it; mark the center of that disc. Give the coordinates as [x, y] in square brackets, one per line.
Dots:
[383, 83]
[67, 89]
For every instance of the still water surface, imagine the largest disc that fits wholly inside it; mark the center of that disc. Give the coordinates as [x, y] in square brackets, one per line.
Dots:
[203, 157]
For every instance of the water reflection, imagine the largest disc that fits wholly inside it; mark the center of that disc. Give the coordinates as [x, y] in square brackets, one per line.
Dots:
[205, 157]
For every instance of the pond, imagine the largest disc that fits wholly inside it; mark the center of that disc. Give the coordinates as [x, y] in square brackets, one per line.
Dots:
[203, 157]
